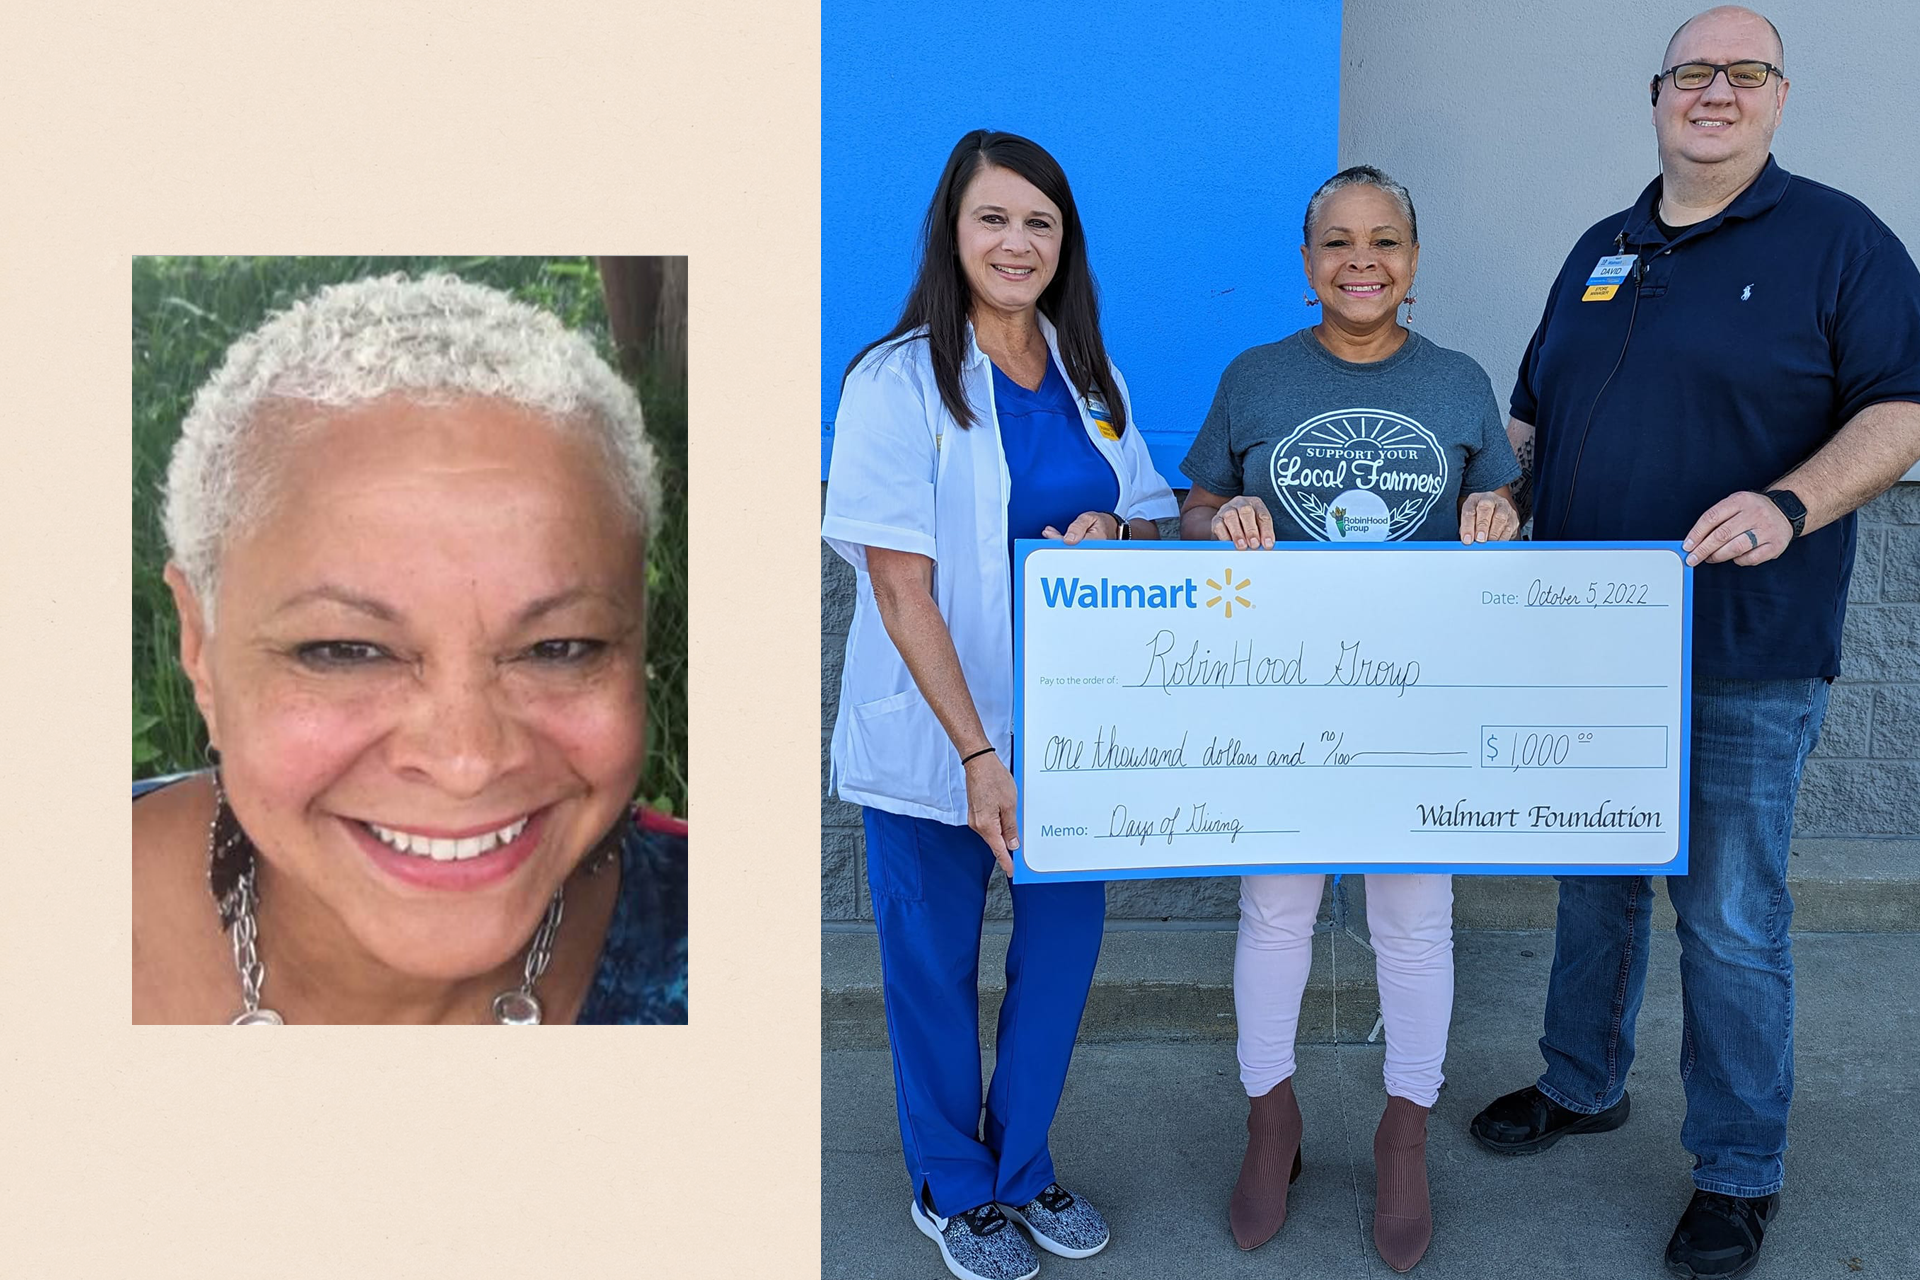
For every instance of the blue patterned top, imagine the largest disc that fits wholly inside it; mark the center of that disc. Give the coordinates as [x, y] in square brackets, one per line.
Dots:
[642, 974]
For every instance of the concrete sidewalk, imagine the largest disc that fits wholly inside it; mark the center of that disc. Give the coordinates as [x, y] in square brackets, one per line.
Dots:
[1172, 980]
[1151, 1131]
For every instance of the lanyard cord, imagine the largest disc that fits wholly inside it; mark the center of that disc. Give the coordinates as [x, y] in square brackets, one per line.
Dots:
[1573, 480]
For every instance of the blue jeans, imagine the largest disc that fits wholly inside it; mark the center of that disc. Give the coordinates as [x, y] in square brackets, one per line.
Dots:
[1750, 741]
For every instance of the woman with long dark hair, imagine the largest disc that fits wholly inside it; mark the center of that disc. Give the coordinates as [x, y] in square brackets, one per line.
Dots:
[988, 413]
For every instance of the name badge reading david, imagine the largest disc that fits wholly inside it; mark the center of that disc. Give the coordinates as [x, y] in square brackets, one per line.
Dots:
[1607, 275]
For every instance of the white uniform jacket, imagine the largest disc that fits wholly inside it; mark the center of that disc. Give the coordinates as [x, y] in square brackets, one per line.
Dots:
[905, 476]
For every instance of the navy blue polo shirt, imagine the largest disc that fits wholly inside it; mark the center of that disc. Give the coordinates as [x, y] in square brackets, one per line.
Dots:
[1730, 355]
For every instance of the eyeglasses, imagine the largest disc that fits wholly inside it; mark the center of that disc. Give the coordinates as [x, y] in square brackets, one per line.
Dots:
[1741, 75]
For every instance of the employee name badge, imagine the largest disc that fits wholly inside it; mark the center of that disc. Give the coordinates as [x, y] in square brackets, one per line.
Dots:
[1606, 277]
[1097, 410]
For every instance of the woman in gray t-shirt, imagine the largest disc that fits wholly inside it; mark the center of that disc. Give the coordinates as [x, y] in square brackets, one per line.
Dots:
[1353, 430]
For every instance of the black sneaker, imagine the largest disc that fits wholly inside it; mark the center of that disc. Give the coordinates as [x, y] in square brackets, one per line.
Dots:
[979, 1244]
[1719, 1236]
[1527, 1120]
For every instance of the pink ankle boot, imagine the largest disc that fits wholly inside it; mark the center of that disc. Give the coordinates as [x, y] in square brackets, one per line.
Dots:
[1402, 1213]
[1259, 1204]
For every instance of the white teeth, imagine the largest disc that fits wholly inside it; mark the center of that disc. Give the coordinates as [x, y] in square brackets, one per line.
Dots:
[443, 850]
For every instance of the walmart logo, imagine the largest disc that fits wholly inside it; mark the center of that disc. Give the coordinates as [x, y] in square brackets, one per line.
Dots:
[1076, 593]
[1231, 589]
[1104, 593]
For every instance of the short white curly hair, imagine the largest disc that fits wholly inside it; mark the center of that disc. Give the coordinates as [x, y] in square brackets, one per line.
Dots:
[431, 339]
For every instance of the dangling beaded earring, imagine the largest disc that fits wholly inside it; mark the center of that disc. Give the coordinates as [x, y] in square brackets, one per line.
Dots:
[229, 852]
[1309, 299]
[1410, 301]
[230, 858]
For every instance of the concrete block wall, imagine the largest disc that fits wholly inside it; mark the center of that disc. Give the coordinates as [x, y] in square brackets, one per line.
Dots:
[1864, 777]
[1863, 780]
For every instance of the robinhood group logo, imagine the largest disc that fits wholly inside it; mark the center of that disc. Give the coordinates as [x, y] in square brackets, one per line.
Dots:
[1228, 593]
[1359, 475]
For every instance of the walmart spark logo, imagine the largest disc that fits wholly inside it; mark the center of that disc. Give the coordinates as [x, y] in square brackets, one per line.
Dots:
[1231, 589]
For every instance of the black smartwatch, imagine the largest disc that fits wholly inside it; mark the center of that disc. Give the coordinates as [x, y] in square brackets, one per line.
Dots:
[1791, 507]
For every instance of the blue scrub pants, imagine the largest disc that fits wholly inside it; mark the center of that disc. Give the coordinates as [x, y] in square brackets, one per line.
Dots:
[929, 883]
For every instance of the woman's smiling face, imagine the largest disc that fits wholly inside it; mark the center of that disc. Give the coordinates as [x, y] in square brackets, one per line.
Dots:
[427, 682]
[1362, 257]
[1008, 237]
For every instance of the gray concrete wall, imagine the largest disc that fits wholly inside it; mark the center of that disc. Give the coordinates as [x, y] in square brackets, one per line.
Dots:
[1516, 126]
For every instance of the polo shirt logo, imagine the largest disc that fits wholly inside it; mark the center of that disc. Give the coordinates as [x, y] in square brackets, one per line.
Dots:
[1746, 293]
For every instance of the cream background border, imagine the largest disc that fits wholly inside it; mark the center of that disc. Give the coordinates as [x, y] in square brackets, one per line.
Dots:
[456, 128]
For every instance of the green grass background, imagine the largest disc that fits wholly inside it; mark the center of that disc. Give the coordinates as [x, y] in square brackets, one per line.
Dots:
[187, 311]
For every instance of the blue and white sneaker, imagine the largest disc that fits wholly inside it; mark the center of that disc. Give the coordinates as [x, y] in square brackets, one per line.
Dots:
[1061, 1222]
[979, 1244]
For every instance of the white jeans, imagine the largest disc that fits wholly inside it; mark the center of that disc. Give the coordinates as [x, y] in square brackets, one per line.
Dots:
[1410, 918]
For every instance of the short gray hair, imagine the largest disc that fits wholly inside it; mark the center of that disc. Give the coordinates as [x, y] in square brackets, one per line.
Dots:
[431, 340]
[1360, 175]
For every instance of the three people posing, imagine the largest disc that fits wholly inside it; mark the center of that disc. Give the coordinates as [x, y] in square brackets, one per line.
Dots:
[991, 413]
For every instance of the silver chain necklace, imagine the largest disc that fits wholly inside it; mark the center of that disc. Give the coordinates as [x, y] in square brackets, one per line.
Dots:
[238, 902]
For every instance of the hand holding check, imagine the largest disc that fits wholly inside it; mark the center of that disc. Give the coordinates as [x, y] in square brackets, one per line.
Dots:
[1245, 522]
[1488, 517]
[993, 806]
[1089, 524]
[1746, 528]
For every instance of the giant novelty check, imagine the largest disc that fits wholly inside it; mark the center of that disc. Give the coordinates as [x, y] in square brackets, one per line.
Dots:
[1187, 709]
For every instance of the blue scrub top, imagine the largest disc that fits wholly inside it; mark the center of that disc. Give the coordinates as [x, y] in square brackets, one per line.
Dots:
[1057, 474]
[1731, 354]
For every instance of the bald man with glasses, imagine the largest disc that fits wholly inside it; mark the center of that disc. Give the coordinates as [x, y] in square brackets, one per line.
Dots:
[1733, 362]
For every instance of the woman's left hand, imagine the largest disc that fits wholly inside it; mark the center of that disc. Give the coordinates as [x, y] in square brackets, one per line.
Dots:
[1098, 525]
[1488, 517]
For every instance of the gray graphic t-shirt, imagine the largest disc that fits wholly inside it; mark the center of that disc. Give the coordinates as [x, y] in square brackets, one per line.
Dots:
[1345, 452]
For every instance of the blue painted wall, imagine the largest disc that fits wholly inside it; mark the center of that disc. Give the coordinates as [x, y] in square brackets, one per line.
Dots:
[1192, 134]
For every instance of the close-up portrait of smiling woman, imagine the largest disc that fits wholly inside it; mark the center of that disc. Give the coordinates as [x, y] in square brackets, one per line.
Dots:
[407, 526]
